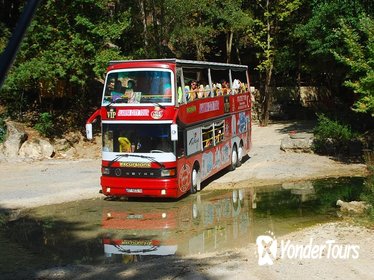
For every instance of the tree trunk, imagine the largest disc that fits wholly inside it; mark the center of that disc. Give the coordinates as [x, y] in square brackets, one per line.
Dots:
[264, 121]
[144, 21]
[229, 37]
[298, 78]
[238, 54]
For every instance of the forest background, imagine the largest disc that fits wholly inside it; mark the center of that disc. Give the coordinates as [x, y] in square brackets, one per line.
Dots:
[57, 76]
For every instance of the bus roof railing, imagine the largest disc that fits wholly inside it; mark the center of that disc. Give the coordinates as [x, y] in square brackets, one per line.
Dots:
[189, 63]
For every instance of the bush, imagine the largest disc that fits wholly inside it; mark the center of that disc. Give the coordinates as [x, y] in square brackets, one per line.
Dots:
[368, 192]
[332, 137]
[2, 129]
[45, 124]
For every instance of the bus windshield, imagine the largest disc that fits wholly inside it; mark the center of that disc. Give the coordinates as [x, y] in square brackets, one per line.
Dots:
[138, 86]
[137, 138]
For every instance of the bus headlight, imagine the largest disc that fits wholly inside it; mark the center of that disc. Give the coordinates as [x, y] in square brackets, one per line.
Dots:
[105, 170]
[168, 172]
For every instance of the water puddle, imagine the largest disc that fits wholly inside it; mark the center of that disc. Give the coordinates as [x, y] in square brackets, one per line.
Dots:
[100, 231]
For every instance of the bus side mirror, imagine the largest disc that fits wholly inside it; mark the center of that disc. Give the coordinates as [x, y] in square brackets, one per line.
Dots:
[174, 132]
[89, 131]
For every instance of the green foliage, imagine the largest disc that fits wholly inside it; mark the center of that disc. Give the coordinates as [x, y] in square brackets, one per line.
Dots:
[321, 31]
[328, 191]
[65, 52]
[368, 191]
[65, 46]
[191, 29]
[332, 137]
[4, 36]
[45, 124]
[2, 129]
[359, 57]
[321, 35]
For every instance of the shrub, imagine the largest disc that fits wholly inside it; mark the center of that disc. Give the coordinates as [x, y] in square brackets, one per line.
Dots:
[45, 124]
[332, 137]
[2, 129]
[368, 192]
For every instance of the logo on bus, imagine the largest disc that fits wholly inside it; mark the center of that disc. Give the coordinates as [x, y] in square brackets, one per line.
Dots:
[194, 140]
[185, 178]
[136, 164]
[191, 109]
[111, 114]
[133, 113]
[157, 114]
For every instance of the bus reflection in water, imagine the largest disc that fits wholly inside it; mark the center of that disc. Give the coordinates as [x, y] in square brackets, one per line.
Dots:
[199, 226]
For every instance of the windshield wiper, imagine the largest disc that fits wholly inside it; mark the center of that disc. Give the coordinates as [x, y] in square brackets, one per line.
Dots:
[116, 159]
[152, 159]
[118, 100]
[159, 105]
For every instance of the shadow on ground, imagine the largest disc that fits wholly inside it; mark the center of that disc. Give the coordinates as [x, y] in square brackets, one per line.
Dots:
[297, 127]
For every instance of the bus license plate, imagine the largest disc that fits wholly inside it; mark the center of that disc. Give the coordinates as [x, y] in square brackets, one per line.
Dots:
[134, 190]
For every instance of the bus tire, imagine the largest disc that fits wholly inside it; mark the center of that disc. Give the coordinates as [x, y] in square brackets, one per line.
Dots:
[195, 181]
[240, 155]
[234, 158]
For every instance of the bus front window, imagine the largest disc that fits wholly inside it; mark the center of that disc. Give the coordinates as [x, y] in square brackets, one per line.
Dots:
[138, 87]
[137, 138]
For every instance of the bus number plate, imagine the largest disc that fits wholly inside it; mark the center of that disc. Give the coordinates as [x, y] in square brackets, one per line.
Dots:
[134, 190]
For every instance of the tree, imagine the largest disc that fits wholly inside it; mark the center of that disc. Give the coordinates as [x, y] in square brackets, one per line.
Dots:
[321, 37]
[359, 57]
[231, 19]
[269, 16]
[67, 45]
[190, 29]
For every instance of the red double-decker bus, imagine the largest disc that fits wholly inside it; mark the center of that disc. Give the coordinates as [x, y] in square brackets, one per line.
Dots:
[169, 124]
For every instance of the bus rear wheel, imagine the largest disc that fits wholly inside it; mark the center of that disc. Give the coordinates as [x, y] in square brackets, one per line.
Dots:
[234, 158]
[240, 155]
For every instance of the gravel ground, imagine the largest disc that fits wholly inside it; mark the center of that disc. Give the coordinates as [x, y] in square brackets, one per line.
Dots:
[268, 165]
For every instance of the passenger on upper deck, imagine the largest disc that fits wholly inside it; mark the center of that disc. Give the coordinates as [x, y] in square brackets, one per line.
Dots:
[193, 90]
[200, 92]
[225, 87]
[236, 86]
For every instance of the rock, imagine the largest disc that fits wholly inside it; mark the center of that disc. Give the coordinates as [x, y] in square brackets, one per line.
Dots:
[70, 153]
[355, 207]
[304, 190]
[73, 137]
[61, 145]
[36, 149]
[15, 136]
[298, 142]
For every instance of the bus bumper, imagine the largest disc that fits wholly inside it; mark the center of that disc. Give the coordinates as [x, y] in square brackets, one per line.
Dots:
[136, 187]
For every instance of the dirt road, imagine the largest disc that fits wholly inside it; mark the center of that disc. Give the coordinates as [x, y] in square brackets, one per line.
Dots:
[32, 184]
[269, 165]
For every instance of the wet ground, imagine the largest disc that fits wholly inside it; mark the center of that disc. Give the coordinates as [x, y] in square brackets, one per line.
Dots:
[101, 231]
